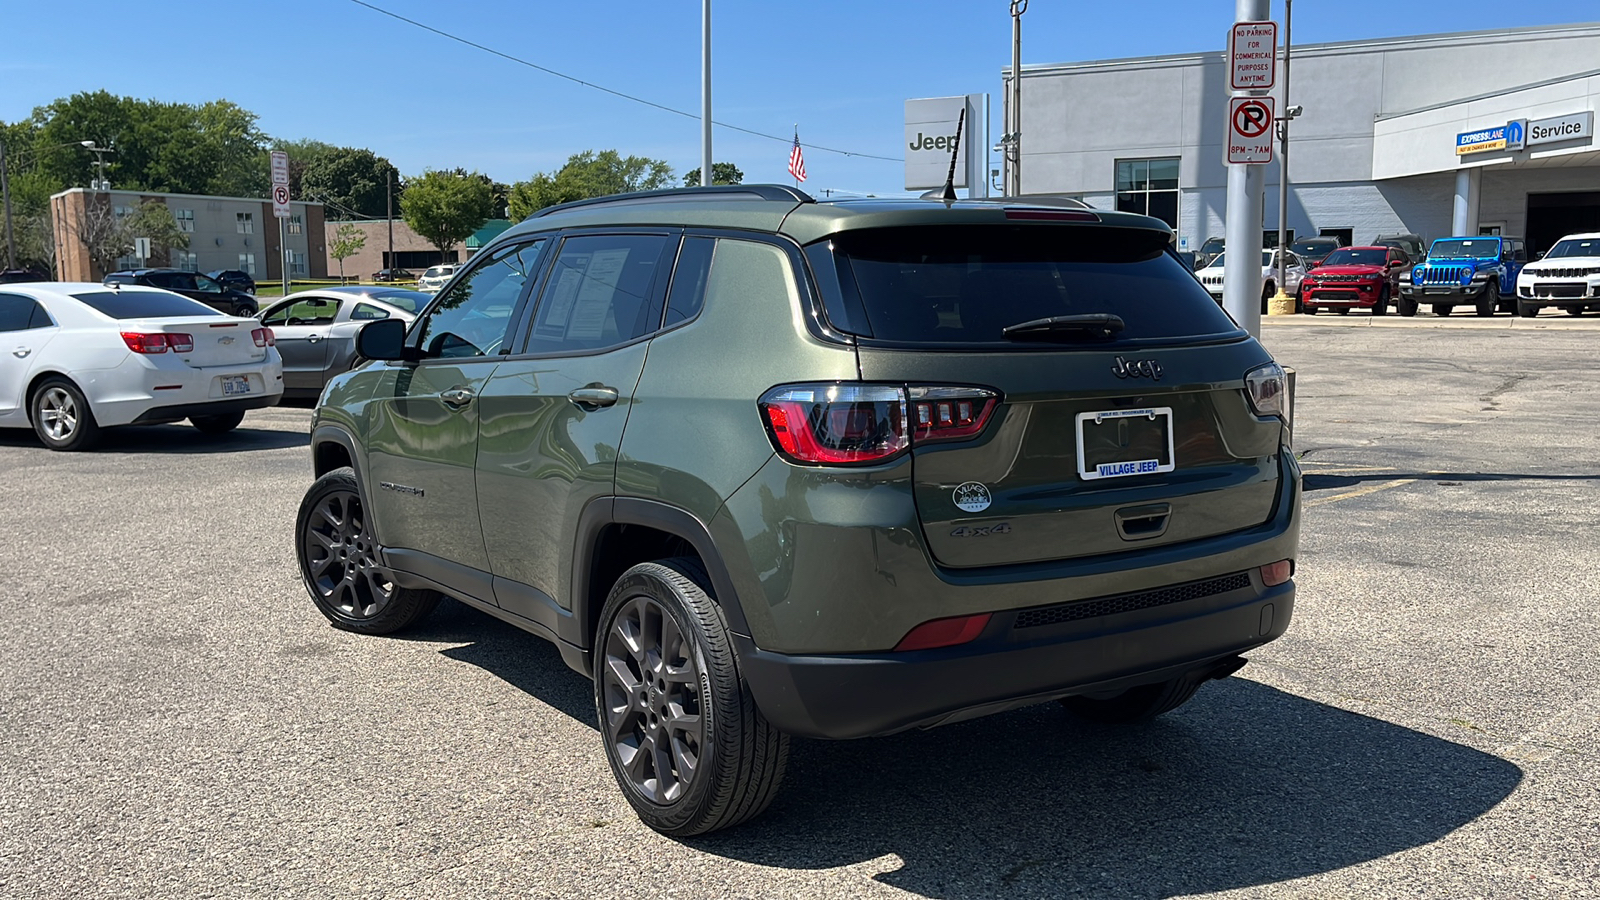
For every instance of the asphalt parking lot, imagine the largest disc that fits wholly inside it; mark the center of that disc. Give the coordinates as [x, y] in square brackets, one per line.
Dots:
[180, 722]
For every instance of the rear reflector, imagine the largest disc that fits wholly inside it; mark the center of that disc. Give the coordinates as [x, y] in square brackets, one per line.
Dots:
[1277, 573]
[944, 632]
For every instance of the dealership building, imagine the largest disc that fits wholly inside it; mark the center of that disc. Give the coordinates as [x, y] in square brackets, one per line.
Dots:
[1473, 133]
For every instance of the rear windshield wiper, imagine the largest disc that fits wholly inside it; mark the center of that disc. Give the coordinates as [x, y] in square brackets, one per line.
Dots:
[1097, 326]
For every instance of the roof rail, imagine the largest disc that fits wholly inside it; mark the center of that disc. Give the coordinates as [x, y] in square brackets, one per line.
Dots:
[731, 191]
[1037, 200]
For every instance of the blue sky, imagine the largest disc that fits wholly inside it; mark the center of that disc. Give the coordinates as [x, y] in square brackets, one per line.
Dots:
[334, 71]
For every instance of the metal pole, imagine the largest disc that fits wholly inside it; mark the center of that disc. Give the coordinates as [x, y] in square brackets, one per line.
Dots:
[283, 252]
[1018, 7]
[705, 93]
[5, 188]
[388, 199]
[1241, 267]
[1283, 157]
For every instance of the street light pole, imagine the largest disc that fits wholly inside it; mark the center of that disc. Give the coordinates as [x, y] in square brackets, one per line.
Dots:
[1013, 137]
[5, 189]
[705, 93]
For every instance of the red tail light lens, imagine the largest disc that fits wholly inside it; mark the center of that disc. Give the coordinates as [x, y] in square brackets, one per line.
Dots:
[158, 342]
[264, 337]
[843, 424]
[944, 632]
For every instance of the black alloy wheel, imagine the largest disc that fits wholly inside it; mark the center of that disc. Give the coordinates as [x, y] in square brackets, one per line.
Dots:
[681, 732]
[1406, 306]
[340, 562]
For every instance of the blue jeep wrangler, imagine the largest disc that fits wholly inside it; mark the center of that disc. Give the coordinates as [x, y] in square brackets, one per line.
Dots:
[1481, 271]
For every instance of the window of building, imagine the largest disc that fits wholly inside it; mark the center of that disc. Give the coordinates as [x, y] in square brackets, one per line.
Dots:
[129, 261]
[185, 219]
[245, 222]
[247, 264]
[296, 226]
[183, 259]
[297, 262]
[122, 212]
[1149, 187]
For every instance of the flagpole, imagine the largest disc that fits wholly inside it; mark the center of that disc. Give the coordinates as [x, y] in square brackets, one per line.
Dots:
[797, 143]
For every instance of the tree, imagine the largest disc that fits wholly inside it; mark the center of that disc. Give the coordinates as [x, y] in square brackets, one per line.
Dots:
[108, 236]
[446, 208]
[347, 242]
[721, 173]
[302, 153]
[588, 174]
[350, 181]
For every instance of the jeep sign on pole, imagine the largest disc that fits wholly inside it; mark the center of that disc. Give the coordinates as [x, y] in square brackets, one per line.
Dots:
[930, 137]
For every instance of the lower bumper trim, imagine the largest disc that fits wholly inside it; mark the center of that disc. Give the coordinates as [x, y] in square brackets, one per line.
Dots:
[158, 414]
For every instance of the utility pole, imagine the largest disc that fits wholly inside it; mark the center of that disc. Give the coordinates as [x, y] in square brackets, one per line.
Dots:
[705, 93]
[5, 189]
[1241, 261]
[1289, 112]
[1013, 137]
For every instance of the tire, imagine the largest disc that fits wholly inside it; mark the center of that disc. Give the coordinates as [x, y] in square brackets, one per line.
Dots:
[1489, 300]
[1381, 308]
[1576, 310]
[1443, 309]
[245, 311]
[1137, 704]
[217, 424]
[1527, 311]
[1310, 310]
[339, 562]
[1344, 310]
[61, 416]
[1406, 307]
[1268, 291]
[659, 621]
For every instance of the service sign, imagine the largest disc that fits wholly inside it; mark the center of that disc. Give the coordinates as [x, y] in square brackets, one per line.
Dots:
[1561, 128]
[931, 138]
[1253, 55]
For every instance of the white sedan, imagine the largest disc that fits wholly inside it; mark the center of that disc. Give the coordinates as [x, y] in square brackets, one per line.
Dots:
[1211, 276]
[77, 358]
[436, 277]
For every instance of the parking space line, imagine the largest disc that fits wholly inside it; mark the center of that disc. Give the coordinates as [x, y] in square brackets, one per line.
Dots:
[1361, 491]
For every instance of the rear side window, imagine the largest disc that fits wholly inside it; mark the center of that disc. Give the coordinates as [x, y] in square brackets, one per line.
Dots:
[688, 292]
[18, 313]
[143, 305]
[958, 286]
[602, 292]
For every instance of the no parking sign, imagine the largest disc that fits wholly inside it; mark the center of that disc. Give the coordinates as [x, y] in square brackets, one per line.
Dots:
[1250, 129]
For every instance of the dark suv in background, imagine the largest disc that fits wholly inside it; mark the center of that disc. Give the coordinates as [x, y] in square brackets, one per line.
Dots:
[236, 279]
[762, 466]
[194, 285]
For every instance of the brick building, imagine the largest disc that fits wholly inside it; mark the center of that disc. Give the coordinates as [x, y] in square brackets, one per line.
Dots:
[224, 233]
[411, 251]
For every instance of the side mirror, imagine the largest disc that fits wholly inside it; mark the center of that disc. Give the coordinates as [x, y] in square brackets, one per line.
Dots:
[1538, 254]
[384, 339]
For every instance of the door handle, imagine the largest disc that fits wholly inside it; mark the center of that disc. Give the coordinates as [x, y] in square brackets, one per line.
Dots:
[593, 397]
[455, 398]
[313, 338]
[21, 352]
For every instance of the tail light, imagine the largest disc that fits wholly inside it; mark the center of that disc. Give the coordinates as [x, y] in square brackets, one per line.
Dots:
[158, 342]
[843, 424]
[1267, 388]
[264, 337]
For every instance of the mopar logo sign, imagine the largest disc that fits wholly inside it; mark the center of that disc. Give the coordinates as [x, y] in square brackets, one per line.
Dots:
[1519, 134]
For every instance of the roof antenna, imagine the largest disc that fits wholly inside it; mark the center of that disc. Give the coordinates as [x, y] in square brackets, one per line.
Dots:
[948, 192]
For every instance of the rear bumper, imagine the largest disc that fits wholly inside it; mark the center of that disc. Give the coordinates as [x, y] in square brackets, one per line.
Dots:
[1007, 667]
[159, 414]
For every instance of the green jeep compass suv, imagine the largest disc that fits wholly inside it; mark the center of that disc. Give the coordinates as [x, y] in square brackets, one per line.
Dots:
[762, 466]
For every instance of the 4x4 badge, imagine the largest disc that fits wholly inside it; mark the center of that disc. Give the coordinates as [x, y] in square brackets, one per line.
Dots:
[1139, 368]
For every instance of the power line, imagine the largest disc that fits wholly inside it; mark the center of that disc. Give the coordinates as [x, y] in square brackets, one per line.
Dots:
[615, 93]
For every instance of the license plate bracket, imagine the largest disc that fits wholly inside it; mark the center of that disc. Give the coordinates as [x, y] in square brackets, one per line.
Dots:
[1120, 443]
[235, 384]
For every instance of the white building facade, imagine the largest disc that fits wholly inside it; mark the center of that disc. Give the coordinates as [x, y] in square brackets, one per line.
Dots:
[1397, 136]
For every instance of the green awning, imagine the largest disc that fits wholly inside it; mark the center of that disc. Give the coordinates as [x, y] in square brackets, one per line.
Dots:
[490, 230]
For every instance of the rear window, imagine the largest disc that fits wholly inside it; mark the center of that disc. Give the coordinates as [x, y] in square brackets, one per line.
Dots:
[410, 301]
[958, 286]
[143, 305]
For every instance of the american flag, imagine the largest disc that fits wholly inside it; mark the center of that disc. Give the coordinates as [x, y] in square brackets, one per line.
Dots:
[797, 162]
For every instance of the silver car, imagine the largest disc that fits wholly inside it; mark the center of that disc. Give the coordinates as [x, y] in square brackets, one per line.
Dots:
[316, 330]
[436, 276]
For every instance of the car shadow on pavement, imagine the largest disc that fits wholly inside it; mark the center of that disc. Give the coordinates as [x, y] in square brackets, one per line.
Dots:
[172, 439]
[1312, 481]
[1246, 785]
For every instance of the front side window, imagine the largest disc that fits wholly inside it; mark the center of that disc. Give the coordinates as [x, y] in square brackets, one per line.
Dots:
[305, 311]
[473, 315]
[245, 222]
[1149, 187]
[601, 293]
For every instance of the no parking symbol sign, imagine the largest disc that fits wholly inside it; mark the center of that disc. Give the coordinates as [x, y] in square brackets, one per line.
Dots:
[1250, 129]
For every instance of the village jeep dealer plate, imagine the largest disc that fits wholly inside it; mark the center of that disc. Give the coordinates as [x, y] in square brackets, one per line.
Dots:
[1122, 442]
